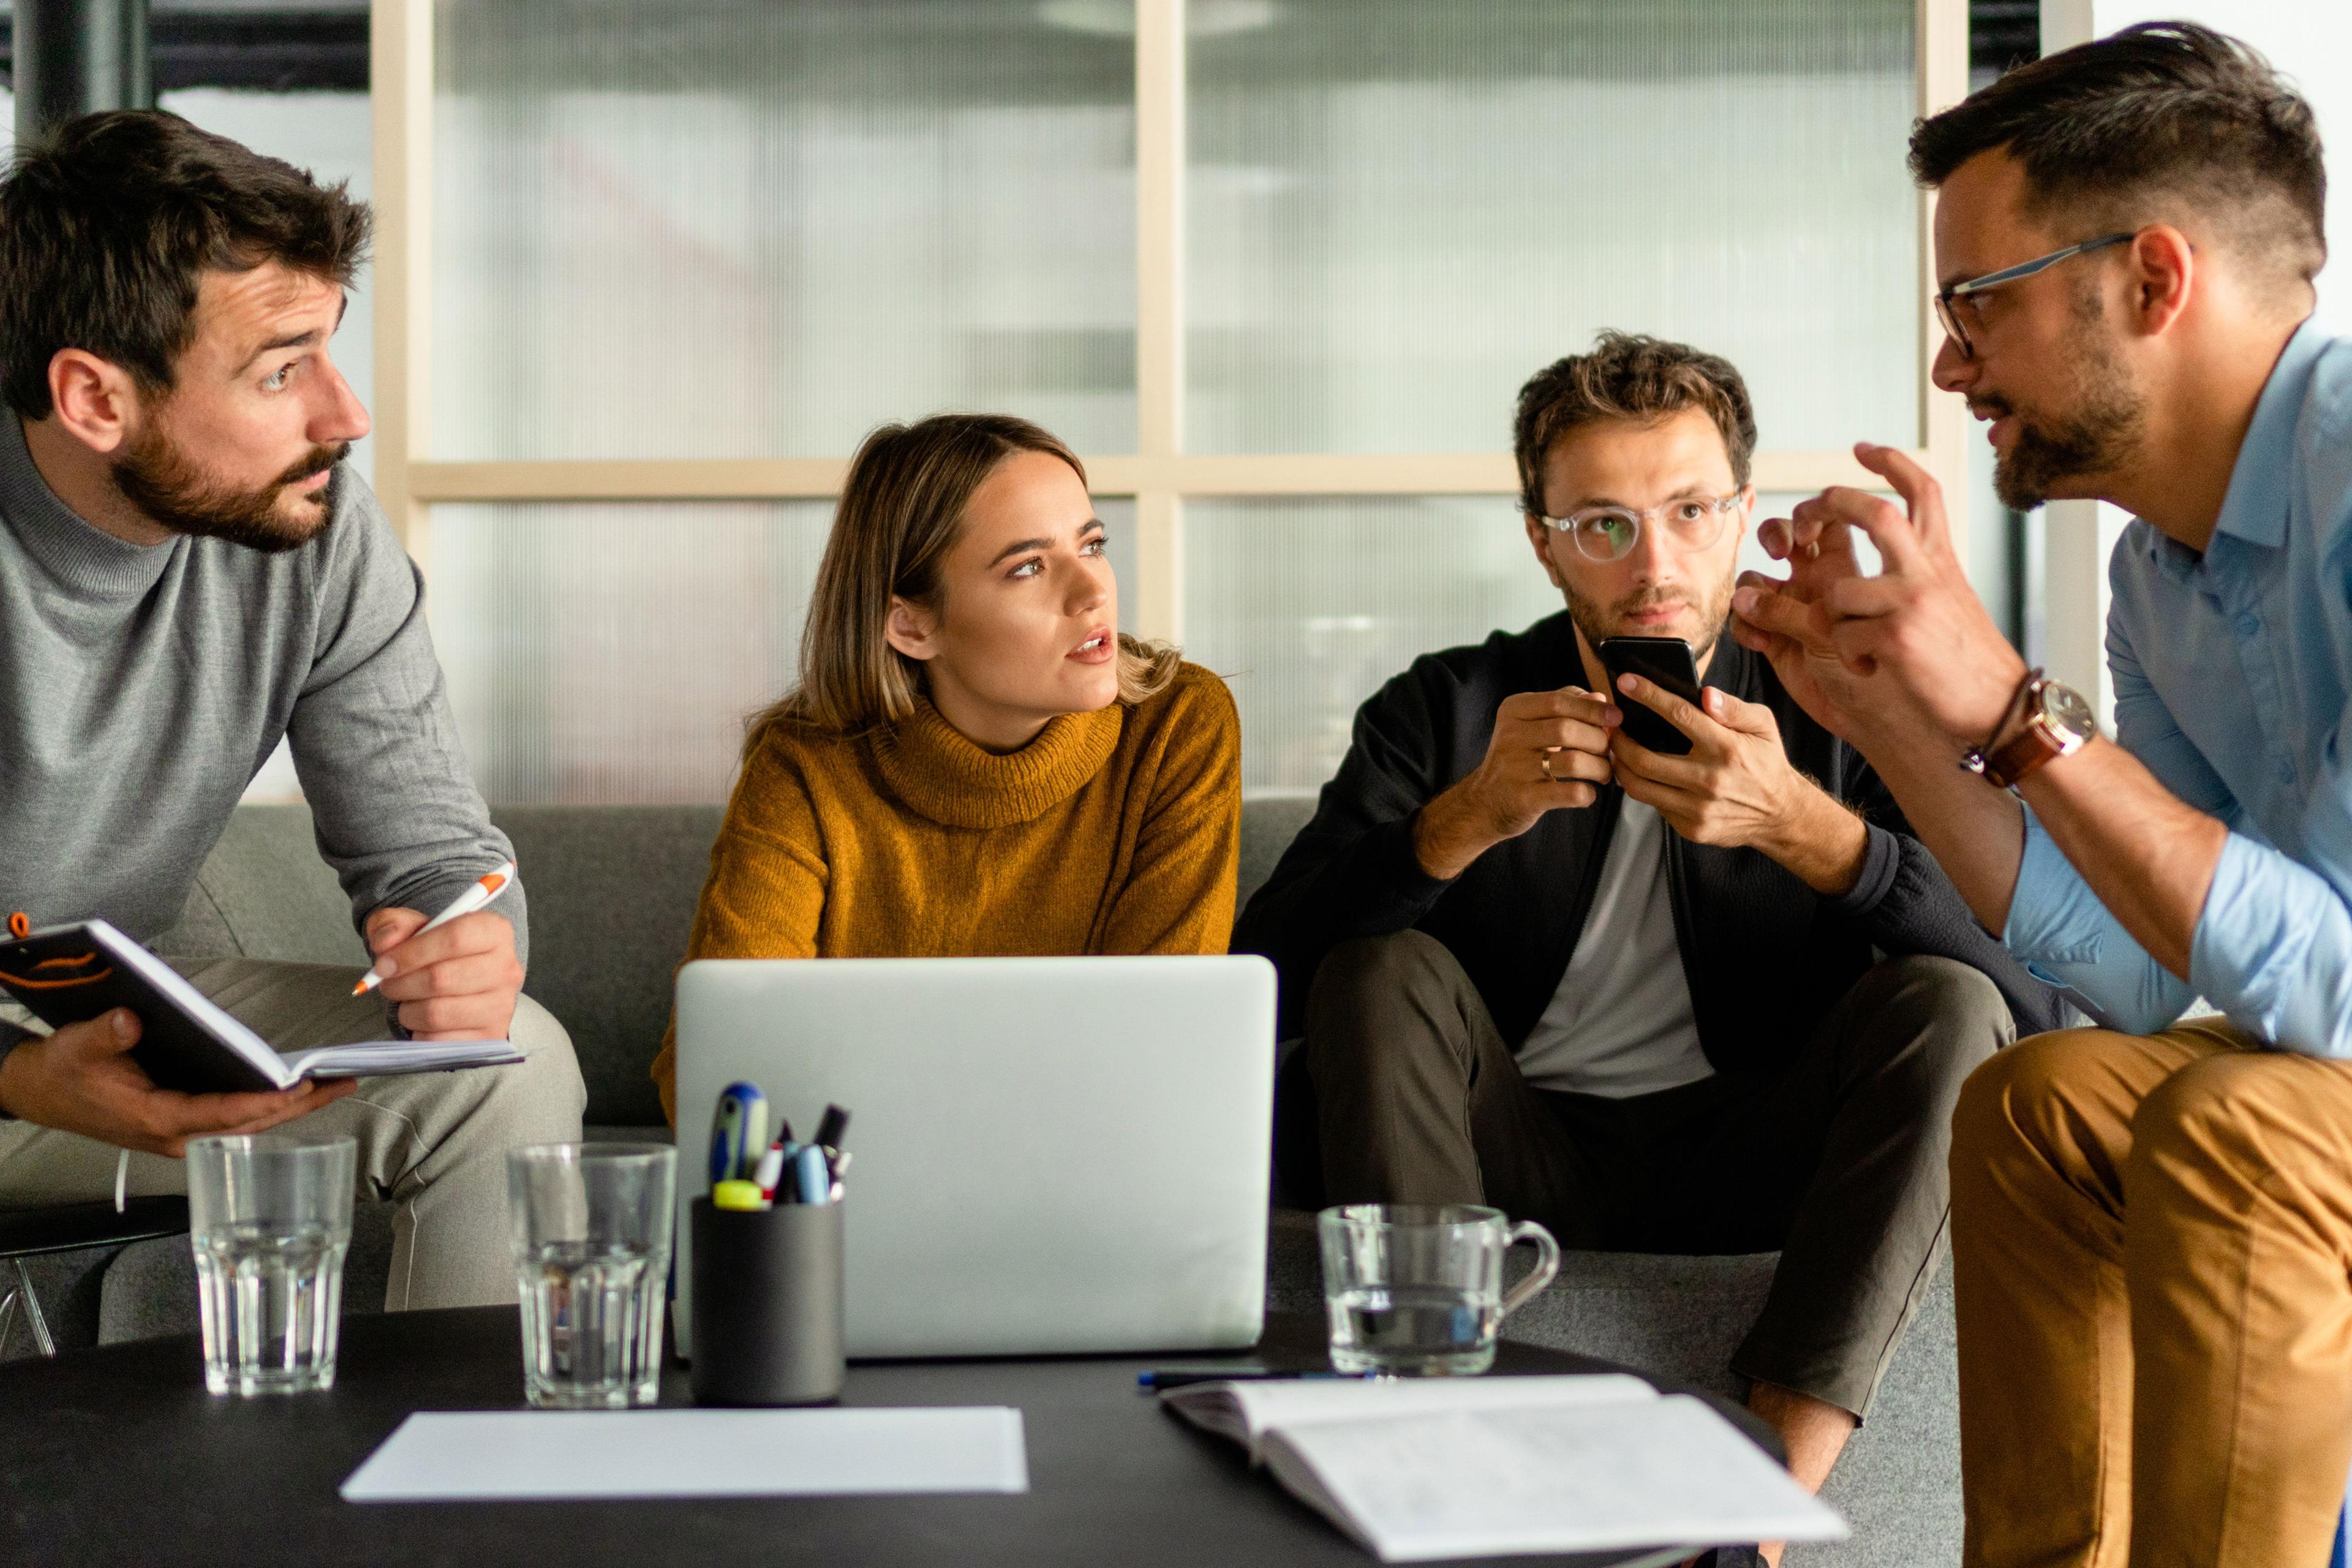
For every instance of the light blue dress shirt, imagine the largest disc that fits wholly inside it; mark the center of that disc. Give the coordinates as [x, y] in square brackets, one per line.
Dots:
[2230, 676]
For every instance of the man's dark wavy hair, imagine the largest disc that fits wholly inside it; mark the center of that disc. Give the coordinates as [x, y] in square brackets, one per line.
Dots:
[1628, 376]
[2155, 122]
[107, 224]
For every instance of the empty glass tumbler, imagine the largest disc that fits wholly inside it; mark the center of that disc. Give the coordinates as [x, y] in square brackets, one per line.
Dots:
[592, 1225]
[1416, 1290]
[270, 1217]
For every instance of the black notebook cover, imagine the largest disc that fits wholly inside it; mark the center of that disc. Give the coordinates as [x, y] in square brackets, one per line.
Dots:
[67, 976]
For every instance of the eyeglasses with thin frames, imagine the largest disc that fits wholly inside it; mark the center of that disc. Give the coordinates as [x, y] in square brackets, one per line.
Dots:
[1952, 302]
[1606, 533]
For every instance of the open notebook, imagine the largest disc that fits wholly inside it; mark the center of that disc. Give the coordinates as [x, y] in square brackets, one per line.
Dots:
[1502, 1466]
[70, 974]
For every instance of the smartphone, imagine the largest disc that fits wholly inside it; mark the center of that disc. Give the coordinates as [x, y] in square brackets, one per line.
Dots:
[1664, 662]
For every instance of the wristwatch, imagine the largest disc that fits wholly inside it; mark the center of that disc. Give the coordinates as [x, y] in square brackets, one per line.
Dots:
[2057, 724]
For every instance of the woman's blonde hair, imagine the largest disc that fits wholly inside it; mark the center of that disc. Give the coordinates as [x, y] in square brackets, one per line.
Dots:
[901, 508]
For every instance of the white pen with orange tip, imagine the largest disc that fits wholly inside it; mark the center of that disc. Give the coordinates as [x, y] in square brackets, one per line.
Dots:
[491, 885]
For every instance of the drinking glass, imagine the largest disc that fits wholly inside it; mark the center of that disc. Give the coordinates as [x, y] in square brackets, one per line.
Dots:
[1416, 1290]
[269, 1218]
[591, 1228]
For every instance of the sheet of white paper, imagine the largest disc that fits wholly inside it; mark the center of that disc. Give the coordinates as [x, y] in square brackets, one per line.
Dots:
[522, 1455]
[1570, 1478]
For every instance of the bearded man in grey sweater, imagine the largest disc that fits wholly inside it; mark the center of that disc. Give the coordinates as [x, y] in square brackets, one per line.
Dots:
[189, 573]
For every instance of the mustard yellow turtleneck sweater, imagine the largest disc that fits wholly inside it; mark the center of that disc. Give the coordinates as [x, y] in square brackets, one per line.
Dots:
[1115, 831]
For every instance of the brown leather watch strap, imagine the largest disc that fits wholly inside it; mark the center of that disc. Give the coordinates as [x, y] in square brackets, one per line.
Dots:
[2031, 747]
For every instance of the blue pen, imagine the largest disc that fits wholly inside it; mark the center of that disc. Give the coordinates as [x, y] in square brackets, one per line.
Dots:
[816, 1177]
[738, 1132]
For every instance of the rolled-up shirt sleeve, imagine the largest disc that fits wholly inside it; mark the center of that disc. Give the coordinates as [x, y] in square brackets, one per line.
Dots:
[2274, 950]
[2061, 931]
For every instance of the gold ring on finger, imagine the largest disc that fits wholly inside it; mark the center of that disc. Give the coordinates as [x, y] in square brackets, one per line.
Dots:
[1546, 767]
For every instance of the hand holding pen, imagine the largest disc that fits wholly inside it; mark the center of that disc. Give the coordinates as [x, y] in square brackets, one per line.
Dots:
[454, 976]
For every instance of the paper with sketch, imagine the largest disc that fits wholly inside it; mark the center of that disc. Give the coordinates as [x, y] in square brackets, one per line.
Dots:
[1563, 1477]
[1245, 1411]
[525, 1455]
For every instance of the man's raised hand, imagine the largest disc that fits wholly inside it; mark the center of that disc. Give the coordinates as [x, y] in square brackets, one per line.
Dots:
[1913, 644]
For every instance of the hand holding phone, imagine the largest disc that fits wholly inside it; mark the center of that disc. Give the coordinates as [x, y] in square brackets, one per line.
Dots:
[1667, 662]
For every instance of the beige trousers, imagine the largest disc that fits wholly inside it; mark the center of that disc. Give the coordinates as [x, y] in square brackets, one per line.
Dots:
[433, 1143]
[2152, 1259]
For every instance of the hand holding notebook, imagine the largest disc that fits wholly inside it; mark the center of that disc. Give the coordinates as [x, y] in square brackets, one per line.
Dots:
[77, 974]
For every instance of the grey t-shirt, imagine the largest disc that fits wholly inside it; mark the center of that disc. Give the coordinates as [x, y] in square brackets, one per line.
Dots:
[1620, 1022]
[143, 686]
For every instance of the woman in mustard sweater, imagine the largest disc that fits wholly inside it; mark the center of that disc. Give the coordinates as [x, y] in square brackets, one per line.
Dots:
[974, 762]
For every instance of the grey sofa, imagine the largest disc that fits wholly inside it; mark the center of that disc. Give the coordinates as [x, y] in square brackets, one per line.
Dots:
[612, 893]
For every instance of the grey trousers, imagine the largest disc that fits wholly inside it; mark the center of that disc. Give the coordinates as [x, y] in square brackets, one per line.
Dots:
[1837, 1160]
[434, 1143]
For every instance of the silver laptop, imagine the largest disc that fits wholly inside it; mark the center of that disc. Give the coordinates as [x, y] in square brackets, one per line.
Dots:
[1050, 1155]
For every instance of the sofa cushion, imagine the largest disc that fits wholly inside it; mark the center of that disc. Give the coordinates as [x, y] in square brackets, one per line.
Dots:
[1268, 824]
[613, 891]
[264, 892]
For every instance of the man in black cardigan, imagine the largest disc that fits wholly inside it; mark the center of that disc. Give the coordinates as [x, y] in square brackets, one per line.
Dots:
[1639, 997]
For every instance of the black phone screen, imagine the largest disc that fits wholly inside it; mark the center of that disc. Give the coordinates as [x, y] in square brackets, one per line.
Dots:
[1668, 663]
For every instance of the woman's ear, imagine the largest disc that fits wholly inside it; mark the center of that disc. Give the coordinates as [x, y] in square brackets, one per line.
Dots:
[912, 630]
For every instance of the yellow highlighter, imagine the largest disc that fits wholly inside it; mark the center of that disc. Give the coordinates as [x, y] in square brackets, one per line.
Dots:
[738, 1195]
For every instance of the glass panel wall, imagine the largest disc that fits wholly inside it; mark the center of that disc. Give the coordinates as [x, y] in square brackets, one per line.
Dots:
[738, 228]
[608, 653]
[1399, 210]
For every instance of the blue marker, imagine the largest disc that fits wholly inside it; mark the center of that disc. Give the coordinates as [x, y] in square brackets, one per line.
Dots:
[739, 1133]
[816, 1177]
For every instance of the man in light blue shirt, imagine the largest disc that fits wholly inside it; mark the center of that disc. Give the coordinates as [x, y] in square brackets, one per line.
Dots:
[2152, 1219]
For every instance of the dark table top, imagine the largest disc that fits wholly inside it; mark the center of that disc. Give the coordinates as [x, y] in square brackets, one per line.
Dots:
[118, 1455]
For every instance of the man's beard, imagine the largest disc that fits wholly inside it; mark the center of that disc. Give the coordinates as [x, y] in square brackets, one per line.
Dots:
[2097, 437]
[1597, 623]
[161, 481]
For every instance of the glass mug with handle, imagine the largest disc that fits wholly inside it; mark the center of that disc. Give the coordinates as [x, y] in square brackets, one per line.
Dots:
[1416, 1290]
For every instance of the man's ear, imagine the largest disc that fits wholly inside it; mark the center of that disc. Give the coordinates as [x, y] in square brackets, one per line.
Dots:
[1539, 536]
[94, 400]
[912, 630]
[2164, 271]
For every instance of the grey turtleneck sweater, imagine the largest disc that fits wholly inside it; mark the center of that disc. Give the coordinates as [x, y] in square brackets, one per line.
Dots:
[141, 687]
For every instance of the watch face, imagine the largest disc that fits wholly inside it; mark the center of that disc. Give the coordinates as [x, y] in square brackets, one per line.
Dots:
[2066, 711]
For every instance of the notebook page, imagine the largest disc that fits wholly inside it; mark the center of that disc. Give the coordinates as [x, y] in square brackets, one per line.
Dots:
[376, 1057]
[1247, 1410]
[1562, 1478]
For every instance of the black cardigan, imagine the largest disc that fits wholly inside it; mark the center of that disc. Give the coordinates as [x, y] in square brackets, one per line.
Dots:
[1766, 957]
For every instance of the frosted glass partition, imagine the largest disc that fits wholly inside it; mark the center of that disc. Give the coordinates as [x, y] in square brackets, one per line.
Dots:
[1306, 606]
[609, 653]
[728, 228]
[1400, 210]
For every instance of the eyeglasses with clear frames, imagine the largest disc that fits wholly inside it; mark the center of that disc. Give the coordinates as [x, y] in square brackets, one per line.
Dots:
[1610, 532]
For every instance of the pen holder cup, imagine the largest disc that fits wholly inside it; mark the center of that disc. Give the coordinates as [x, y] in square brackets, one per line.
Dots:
[767, 1304]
